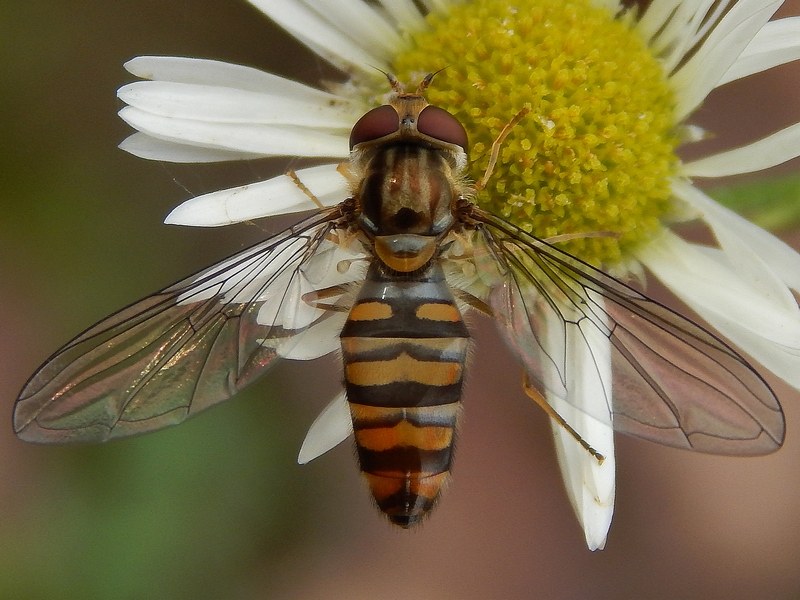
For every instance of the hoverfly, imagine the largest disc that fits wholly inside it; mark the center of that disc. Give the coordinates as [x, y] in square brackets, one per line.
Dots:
[389, 272]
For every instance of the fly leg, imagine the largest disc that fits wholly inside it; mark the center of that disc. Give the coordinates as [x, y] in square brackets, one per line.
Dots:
[472, 301]
[497, 144]
[292, 174]
[318, 298]
[537, 397]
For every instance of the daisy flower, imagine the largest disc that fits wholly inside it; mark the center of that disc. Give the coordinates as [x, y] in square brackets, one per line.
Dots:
[609, 91]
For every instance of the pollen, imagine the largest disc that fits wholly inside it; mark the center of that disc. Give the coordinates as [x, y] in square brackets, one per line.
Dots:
[595, 151]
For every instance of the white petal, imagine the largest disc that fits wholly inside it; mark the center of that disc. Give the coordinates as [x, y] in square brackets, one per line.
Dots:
[279, 195]
[777, 43]
[755, 251]
[767, 152]
[405, 14]
[221, 74]
[229, 105]
[316, 341]
[527, 315]
[590, 484]
[704, 70]
[285, 306]
[331, 266]
[656, 19]
[150, 148]
[330, 43]
[673, 27]
[333, 426]
[335, 264]
[267, 140]
[712, 287]
[361, 22]
[706, 18]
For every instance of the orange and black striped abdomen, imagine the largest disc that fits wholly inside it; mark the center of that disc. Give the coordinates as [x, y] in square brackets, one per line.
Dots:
[404, 347]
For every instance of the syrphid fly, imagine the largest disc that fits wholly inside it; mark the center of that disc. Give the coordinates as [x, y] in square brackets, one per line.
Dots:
[389, 273]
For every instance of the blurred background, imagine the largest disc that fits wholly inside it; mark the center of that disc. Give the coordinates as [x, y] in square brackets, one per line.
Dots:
[218, 508]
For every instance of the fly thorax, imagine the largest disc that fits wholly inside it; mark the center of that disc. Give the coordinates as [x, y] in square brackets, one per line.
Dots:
[406, 200]
[406, 195]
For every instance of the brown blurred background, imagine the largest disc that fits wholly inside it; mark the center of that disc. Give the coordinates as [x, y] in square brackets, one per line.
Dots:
[217, 508]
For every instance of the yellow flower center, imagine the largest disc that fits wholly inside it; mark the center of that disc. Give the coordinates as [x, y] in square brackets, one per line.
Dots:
[597, 149]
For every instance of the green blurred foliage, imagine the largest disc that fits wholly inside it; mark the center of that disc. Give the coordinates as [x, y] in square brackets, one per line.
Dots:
[773, 203]
[178, 514]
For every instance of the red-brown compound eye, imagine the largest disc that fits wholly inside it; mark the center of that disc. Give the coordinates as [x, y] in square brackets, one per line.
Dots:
[377, 123]
[439, 124]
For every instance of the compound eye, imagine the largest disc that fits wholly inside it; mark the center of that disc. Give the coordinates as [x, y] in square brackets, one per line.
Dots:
[377, 123]
[439, 124]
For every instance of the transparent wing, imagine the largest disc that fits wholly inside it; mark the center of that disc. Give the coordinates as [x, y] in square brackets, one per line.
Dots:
[190, 346]
[671, 380]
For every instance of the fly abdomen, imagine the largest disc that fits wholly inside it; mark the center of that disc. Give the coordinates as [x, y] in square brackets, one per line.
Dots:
[405, 454]
[404, 347]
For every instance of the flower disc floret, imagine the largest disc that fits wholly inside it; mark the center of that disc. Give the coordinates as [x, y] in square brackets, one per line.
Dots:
[596, 151]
